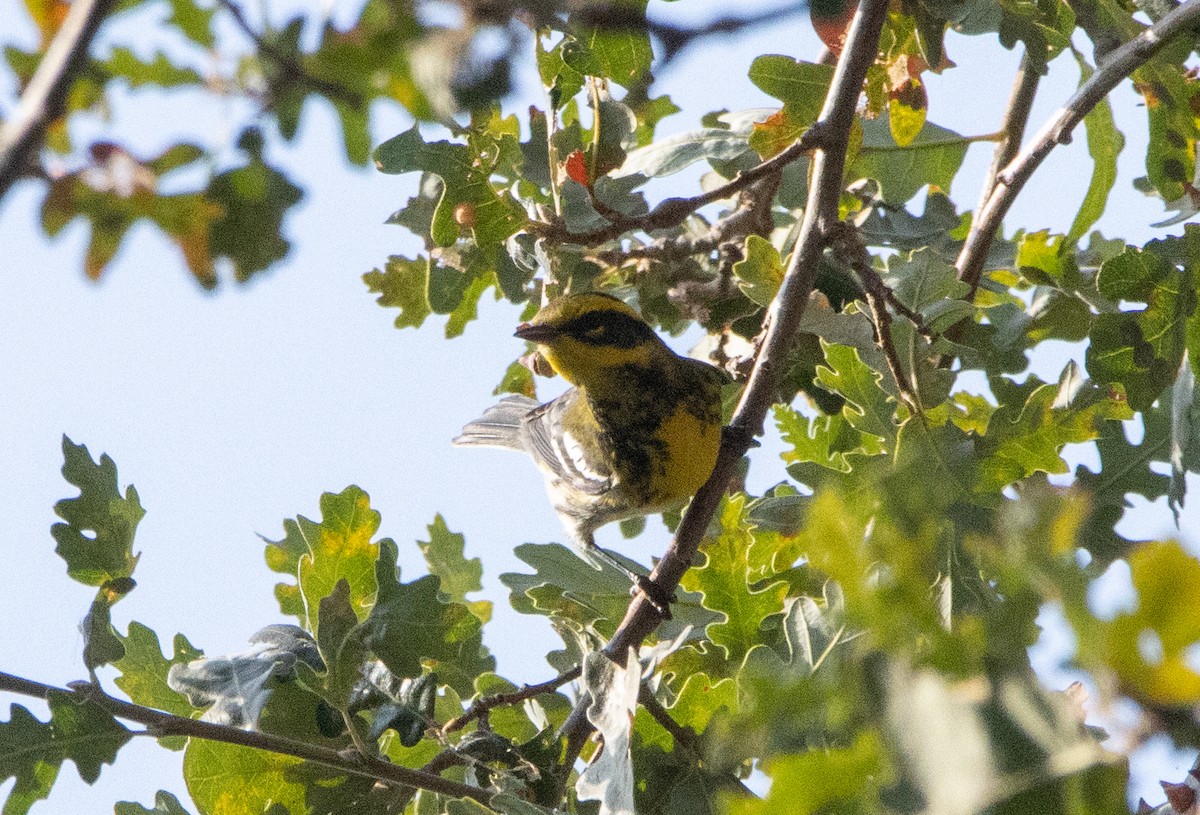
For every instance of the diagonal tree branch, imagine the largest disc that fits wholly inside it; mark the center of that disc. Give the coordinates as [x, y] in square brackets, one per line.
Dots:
[1119, 64]
[1012, 129]
[783, 318]
[161, 724]
[45, 97]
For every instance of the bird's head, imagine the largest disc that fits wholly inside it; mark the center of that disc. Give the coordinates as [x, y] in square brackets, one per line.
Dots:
[583, 335]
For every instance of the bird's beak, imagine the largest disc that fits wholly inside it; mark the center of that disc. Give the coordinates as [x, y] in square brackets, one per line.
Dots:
[537, 333]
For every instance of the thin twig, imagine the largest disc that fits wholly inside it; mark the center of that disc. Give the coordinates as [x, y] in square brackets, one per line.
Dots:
[685, 738]
[289, 63]
[675, 39]
[160, 724]
[1012, 129]
[1119, 64]
[45, 97]
[783, 318]
[848, 244]
[480, 707]
[673, 211]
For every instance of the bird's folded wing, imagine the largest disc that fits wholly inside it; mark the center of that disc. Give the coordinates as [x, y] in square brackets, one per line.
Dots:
[557, 450]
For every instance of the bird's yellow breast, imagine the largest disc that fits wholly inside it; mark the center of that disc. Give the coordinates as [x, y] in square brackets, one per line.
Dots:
[691, 447]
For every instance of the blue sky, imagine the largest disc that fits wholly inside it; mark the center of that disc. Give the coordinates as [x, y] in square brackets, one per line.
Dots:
[233, 411]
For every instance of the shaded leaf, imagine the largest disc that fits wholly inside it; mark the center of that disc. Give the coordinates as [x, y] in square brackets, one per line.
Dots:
[164, 804]
[1141, 349]
[253, 199]
[674, 153]
[27, 753]
[1105, 144]
[933, 157]
[410, 624]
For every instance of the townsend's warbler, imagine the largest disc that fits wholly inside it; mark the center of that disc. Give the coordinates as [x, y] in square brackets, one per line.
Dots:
[638, 433]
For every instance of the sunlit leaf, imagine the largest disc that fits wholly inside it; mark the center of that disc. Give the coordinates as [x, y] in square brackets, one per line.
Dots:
[321, 554]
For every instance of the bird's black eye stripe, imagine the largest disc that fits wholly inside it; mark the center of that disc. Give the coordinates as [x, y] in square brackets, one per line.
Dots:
[612, 328]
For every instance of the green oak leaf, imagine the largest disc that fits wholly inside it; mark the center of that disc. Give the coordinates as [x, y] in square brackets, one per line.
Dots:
[820, 779]
[622, 54]
[254, 199]
[144, 672]
[1169, 94]
[1105, 144]
[403, 284]
[340, 646]
[410, 623]
[1185, 434]
[728, 581]
[760, 272]
[85, 733]
[28, 754]
[674, 153]
[466, 184]
[565, 585]
[235, 780]
[458, 574]
[96, 539]
[560, 80]
[1028, 438]
[321, 554]
[164, 804]
[868, 408]
[929, 285]
[101, 643]
[801, 86]
[828, 441]
[123, 63]
[1141, 349]
[932, 158]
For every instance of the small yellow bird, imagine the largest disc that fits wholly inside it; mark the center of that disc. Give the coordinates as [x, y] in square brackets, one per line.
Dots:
[639, 432]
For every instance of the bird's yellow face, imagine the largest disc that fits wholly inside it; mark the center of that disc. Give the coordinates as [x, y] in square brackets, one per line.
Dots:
[584, 335]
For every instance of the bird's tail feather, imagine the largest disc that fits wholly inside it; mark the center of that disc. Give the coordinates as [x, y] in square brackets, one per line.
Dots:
[499, 426]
